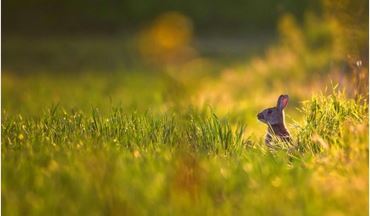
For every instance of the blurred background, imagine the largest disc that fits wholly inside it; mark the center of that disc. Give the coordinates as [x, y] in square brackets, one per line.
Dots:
[135, 106]
[236, 57]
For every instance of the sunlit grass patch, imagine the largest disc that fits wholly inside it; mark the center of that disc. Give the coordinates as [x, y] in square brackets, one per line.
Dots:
[126, 161]
[120, 128]
[328, 119]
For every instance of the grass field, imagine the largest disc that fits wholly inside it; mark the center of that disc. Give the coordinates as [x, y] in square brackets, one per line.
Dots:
[128, 138]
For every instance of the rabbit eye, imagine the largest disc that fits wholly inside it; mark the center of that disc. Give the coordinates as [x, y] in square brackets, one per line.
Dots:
[269, 111]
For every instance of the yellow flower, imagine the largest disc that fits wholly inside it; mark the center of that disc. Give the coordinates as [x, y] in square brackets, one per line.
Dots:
[20, 137]
[247, 167]
[53, 166]
[224, 172]
[136, 154]
[276, 182]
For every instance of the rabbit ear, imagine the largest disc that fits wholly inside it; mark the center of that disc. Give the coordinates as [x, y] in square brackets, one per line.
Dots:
[282, 102]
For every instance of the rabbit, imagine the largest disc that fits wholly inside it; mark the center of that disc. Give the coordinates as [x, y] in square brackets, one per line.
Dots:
[274, 118]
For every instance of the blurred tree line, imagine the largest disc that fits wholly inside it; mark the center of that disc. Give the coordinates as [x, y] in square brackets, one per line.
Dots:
[114, 16]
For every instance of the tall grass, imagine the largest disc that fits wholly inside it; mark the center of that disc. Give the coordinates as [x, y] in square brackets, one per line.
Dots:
[325, 119]
[192, 162]
[124, 129]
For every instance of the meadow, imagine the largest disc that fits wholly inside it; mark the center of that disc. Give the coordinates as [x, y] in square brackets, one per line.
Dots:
[91, 127]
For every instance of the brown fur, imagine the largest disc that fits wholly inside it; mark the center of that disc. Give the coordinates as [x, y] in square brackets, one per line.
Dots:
[275, 119]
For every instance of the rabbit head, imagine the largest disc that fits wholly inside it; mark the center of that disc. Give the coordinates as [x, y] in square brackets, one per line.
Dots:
[274, 115]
